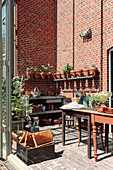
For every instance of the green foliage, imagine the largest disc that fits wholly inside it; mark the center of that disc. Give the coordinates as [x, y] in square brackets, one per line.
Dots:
[67, 69]
[35, 69]
[19, 99]
[99, 98]
[85, 67]
[93, 65]
[46, 69]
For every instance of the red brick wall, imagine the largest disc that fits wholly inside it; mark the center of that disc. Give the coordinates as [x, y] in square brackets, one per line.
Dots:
[97, 15]
[35, 35]
[64, 33]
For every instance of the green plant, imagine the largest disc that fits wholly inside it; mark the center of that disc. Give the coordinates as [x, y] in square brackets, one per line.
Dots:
[28, 69]
[35, 69]
[93, 65]
[46, 69]
[67, 69]
[98, 98]
[85, 67]
[19, 99]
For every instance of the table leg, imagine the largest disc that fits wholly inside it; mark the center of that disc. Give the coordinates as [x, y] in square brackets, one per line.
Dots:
[112, 135]
[106, 137]
[79, 131]
[63, 128]
[94, 139]
[89, 137]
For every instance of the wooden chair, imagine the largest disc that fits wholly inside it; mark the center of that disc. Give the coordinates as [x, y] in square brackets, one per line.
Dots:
[83, 125]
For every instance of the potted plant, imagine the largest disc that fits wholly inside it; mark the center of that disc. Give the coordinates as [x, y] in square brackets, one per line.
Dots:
[36, 73]
[43, 71]
[66, 71]
[99, 100]
[49, 71]
[93, 70]
[85, 71]
[73, 73]
[19, 101]
[30, 72]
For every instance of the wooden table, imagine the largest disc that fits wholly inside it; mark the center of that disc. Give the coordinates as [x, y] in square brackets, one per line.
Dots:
[78, 113]
[100, 118]
[93, 117]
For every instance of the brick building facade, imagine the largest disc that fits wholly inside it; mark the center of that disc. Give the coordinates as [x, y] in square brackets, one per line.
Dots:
[49, 32]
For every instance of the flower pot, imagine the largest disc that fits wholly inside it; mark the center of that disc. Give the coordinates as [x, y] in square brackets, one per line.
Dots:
[85, 72]
[37, 75]
[92, 71]
[43, 75]
[108, 110]
[79, 73]
[29, 75]
[50, 76]
[73, 73]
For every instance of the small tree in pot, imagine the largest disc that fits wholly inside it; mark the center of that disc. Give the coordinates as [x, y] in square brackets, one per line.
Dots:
[66, 71]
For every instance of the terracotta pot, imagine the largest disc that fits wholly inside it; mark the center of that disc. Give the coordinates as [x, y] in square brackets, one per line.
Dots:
[50, 76]
[85, 72]
[108, 110]
[29, 75]
[37, 75]
[79, 73]
[92, 71]
[73, 73]
[43, 75]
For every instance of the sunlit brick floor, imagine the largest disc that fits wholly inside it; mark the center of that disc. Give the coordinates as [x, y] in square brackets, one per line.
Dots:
[72, 157]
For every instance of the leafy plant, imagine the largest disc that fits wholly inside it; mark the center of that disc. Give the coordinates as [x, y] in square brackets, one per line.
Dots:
[99, 98]
[93, 65]
[46, 69]
[67, 69]
[85, 67]
[35, 69]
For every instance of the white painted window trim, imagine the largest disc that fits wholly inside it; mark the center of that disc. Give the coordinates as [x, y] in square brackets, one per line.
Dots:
[110, 75]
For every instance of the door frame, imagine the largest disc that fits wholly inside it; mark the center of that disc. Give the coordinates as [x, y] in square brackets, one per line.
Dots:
[110, 75]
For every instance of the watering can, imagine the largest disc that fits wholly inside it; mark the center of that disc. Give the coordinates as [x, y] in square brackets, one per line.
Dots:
[36, 92]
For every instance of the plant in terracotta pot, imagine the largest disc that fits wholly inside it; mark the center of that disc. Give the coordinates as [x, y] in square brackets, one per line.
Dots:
[49, 71]
[66, 71]
[93, 70]
[99, 100]
[73, 73]
[19, 101]
[30, 72]
[85, 71]
[43, 71]
[36, 73]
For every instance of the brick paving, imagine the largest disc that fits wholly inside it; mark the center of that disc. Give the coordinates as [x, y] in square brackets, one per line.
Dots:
[70, 156]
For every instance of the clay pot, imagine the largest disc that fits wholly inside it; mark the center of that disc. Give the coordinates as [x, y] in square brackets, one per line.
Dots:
[37, 75]
[29, 75]
[73, 73]
[43, 75]
[85, 72]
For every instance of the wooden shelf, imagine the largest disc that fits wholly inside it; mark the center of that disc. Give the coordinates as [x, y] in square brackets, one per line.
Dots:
[76, 78]
[39, 80]
[45, 112]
